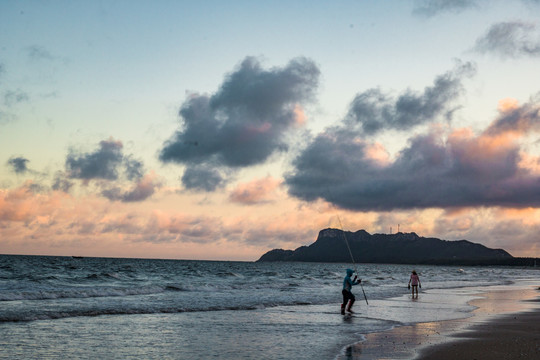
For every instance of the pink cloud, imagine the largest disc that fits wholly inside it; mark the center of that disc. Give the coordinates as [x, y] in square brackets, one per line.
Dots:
[24, 204]
[515, 119]
[257, 191]
[299, 115]
[57, 223]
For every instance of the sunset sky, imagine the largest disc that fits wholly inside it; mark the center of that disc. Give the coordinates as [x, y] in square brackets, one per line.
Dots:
[220, 130]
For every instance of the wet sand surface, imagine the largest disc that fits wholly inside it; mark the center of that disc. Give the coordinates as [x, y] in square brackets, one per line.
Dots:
[506, 325]
[515, 336]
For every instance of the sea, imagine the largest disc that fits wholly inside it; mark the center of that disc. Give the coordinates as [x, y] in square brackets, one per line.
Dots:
[106, 308]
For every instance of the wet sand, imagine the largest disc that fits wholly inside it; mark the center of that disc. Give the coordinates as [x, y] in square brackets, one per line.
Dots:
[506, 325]
[515, 336]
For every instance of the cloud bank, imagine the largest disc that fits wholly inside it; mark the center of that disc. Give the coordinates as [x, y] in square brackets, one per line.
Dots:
[439, 169]
[242, 124]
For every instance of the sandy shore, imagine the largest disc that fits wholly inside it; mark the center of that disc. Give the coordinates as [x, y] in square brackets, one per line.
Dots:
[505, 325]
[515, 336]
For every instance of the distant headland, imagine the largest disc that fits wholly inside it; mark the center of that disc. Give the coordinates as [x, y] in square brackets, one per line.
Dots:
[399, 248]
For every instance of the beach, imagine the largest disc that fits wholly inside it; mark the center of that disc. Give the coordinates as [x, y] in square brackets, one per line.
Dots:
[515, 336]
[504, 325]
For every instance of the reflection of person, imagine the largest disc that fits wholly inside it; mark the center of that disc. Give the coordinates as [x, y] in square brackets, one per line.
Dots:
[348, 297]
[414, 281]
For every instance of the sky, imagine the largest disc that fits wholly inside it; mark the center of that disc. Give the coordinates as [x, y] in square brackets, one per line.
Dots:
[218, 130]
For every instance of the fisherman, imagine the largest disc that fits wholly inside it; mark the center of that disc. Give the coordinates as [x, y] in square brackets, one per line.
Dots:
[348, 297]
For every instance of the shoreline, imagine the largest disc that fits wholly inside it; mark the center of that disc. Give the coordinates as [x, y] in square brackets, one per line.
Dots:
[504, 325]
[513, 336]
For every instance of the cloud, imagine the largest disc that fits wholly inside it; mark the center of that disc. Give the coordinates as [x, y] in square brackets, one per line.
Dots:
[38, 53]
[373, 111]
[243, 123]
[108, 162]
[515, 119]
[9, 100]
[141, 190]
[134, 168]
[18, 164]
[435, 170]
[203, 177]
[494, 228]
[120, 177]
[159, 227]
[510, 40]
[435, 7]
[61, 182]
[15, 97]
[25, 204]
[58, 223]
[258, 191]
[100, 164]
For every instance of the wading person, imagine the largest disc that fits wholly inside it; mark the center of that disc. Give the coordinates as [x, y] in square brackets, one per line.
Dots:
[414, 281]
[348, 297]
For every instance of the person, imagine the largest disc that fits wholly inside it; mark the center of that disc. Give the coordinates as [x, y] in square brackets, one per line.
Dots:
[348, 297]
[414, 281]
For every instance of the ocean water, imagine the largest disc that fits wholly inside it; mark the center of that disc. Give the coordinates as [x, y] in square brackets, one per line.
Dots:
[59, 307]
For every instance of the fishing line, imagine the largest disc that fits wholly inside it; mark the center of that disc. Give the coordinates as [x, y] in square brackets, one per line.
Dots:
[352, 257]
[350, 252]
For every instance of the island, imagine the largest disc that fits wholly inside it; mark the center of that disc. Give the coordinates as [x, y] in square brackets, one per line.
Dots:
[332, 245]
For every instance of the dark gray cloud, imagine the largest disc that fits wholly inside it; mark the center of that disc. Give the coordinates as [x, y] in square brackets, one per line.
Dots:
[430, 172]
[134, 168]
[243, 123]
[202, 177]
[18, 164]
[141, 191]
[61, 182]
[100, 164]
[435, 7]
[112, 168]
[510, 40]
[373, 111]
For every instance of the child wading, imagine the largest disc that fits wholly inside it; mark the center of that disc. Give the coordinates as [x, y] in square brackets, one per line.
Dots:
[415, 282]
[348, 296]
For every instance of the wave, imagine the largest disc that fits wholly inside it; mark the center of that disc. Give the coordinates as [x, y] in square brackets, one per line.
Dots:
[54, 315]
[104, 276]
[79, 293]
[177, 288]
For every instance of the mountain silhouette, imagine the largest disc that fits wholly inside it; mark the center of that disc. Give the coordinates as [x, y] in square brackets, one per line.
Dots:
[399, 248]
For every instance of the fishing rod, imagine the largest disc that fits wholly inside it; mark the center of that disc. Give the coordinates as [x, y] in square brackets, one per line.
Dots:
[352, 257]
[349, 248]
